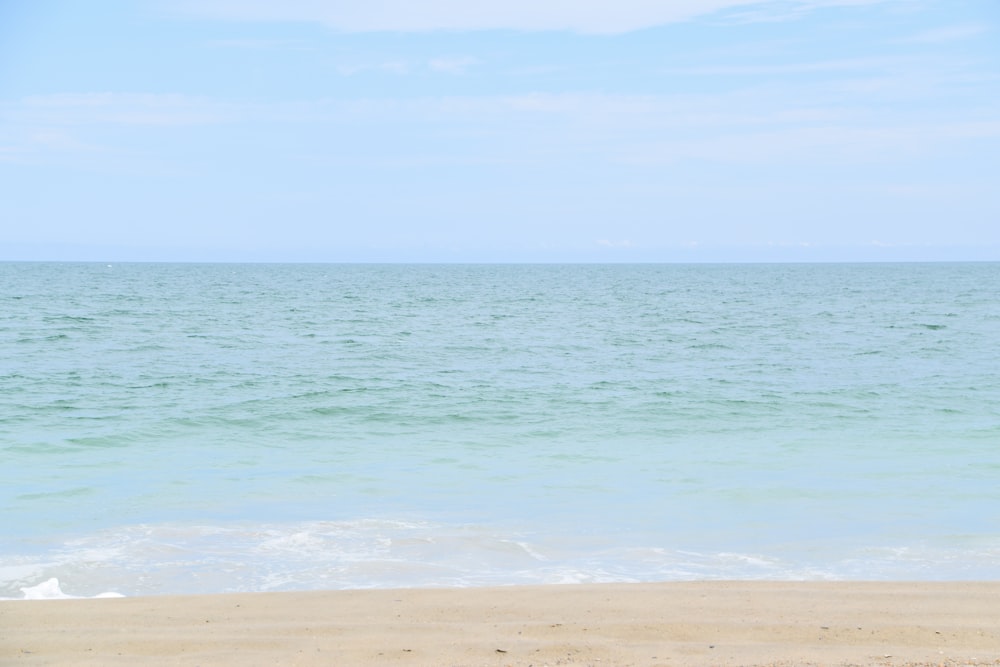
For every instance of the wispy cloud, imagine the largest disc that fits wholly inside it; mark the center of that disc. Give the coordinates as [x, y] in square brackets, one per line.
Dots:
[60, 140]
[754, 126]
[397, 67]
[584, 16]
[608, 243]
[952, 33]
[11, 154]
[454, 65]
[261, 44]
[121, 109]
[45, 128]
[815, 67]
[789, 10]
[871, 143]
[37, 145]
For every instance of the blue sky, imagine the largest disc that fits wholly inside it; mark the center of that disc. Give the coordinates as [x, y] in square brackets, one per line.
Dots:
[448, 130]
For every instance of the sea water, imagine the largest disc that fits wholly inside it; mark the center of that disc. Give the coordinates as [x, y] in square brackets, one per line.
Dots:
[182, 428]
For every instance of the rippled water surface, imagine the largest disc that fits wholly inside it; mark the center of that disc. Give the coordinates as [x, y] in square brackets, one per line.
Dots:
[174, 428]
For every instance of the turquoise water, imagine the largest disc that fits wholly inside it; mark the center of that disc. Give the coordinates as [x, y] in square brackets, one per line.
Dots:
[173, 428]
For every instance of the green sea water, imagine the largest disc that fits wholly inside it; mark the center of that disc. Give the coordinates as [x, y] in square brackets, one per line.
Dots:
[169, 428]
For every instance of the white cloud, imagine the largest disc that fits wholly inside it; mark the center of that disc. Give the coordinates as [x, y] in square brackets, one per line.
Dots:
[584, 16]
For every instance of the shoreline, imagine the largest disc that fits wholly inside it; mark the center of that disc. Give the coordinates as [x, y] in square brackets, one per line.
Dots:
[676, 623]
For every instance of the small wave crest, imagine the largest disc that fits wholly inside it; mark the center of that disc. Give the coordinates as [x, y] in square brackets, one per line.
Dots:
[50, 590]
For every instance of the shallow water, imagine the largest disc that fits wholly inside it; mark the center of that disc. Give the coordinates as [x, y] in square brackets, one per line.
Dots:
[171, 428]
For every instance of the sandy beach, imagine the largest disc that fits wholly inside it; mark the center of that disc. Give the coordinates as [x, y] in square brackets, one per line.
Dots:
[702, 623]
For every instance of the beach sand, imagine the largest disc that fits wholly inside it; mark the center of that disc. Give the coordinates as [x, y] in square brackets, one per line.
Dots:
[699, 623]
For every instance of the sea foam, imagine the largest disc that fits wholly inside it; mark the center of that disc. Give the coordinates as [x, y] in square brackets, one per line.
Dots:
[50, 590]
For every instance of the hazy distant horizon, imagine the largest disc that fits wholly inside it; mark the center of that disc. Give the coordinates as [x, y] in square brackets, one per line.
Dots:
[704, 255]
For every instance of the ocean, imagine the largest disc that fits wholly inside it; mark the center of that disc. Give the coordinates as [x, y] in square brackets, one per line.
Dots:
[201, 428]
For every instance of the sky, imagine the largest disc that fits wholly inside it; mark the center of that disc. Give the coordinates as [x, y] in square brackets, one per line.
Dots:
[500, 131]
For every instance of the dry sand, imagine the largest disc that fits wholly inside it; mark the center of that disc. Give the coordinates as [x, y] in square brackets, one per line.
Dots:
[704, 623]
